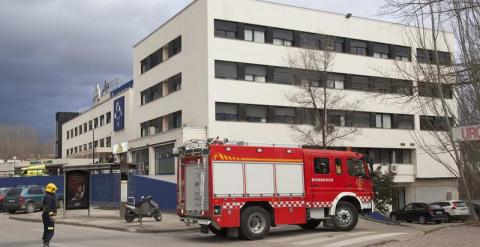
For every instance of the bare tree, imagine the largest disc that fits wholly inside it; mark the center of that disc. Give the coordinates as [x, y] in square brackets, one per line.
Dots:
[23, 143]
[447, 88]
[311, 70]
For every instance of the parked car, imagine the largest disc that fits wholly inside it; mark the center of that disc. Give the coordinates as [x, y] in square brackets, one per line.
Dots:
[454, 210]
[24, 198]
[3, 192]
[420, 212]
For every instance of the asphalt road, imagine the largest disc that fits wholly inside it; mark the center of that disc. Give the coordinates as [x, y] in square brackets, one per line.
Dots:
[25, 234]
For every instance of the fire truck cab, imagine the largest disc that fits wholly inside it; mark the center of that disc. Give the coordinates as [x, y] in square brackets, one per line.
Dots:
[238, 189]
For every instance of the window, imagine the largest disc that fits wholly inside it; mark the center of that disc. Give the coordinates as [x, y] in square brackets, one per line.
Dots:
[284, 115]
[76, 149]
[309, 40]
[428, 56]
[402, 53]
[338, 166]
[175, 46]
[256, 113]
[95, 144]
[226, 112]
[151, 61]
[152, 93]
[433, 123]
[80, 148]
[358, 47]
[151, 127]
[90, 126]
[164, 160]
[336, 81]
[35, 190]
[374, 154]
[361, 119]
[102, 143]
[175, 83]
[68, 134]
[102, 120]
[360, 83]
[109, 117]
[321, 165]
[176, 120]
[381, 50]
[226, 29]
[404, 122]
[336, 118]
[428, 89]
[282, 75]
[108, 142]
[68, 152]
[381, 85]
[89, 145]
[255, 34]
[401, 87]
[85, 146]
[85, 128]
[282, 37]
[339, 44]
[80, 129]
[226, 70]
[256, 73]
[76, 131]
[355, 168]
[383, 121]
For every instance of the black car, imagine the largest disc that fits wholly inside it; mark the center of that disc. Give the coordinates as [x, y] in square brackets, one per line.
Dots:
[420, 212]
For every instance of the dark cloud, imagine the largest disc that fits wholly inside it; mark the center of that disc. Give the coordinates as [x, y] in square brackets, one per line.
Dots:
[52, 52]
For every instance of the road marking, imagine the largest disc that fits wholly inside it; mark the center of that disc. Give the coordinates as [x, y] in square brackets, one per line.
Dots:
[364, 239]
[330, 238]
[303, 236]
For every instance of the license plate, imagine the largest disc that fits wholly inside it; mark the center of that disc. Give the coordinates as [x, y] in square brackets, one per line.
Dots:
[439, 213]
[11, 200]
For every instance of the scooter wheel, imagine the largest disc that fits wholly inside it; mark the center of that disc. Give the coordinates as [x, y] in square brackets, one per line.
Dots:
[157, 216]
[129, 217]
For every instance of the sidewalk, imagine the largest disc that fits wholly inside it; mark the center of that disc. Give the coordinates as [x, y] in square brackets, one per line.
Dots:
[110, 219]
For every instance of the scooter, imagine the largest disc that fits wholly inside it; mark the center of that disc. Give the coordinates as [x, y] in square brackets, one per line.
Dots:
[147, 207]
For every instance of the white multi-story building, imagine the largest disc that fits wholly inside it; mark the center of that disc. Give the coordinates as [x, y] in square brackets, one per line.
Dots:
[220, 68]
[103, 126]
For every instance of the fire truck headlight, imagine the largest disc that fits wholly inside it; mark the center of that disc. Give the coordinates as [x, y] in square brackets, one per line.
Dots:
[217, 210]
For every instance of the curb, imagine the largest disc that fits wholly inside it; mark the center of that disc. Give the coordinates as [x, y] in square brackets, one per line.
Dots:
[120, 229]
[390, 223]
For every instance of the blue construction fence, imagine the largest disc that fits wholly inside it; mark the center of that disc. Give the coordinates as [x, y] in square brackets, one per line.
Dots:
[105, 189]
[37, 180]
[163, 192]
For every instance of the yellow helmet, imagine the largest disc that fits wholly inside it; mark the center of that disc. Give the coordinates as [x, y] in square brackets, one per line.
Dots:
[51, 188]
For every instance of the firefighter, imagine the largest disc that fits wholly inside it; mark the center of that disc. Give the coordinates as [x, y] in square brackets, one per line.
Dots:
[49, 213]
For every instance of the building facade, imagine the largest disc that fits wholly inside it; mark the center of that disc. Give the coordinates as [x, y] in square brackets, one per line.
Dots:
[220, 68]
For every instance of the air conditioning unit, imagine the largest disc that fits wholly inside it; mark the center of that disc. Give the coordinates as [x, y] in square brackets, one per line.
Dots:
[393, 168]
[151, 130]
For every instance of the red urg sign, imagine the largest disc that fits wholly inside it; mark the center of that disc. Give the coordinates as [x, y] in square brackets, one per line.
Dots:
[466, 133]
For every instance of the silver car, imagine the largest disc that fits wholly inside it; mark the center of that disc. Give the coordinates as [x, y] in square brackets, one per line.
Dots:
[454, 209]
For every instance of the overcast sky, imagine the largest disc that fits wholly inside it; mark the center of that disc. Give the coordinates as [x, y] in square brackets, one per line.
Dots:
[53, 52]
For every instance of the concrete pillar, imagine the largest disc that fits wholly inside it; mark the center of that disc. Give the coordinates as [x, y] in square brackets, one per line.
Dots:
[151, 161]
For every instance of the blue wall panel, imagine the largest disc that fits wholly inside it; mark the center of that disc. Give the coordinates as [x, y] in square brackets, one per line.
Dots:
[39, 180]
[105, 188]
[164, 193]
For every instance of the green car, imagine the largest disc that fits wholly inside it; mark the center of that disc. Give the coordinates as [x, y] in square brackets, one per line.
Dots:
[23, 198]
[3, 193]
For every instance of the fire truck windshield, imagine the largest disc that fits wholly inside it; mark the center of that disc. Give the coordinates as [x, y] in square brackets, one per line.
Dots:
[356, 168]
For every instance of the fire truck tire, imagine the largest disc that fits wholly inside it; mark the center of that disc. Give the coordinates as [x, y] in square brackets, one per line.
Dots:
[254, 223]
[346, 217]
[311, 224]
[218, 233]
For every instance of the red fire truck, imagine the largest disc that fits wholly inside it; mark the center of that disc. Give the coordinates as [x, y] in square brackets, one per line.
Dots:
[240, 189]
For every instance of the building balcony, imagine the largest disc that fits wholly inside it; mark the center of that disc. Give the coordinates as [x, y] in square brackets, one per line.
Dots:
[405, 173]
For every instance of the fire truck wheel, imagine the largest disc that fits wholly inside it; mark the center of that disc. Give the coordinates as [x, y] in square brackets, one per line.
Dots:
[254, 223]
[219, 233]
[311, 224]
[346, 217]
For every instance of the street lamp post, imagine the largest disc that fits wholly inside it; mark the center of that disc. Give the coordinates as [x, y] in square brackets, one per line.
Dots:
[14, 167]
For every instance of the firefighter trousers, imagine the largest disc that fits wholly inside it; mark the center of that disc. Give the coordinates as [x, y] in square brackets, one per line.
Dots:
[48, 228]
